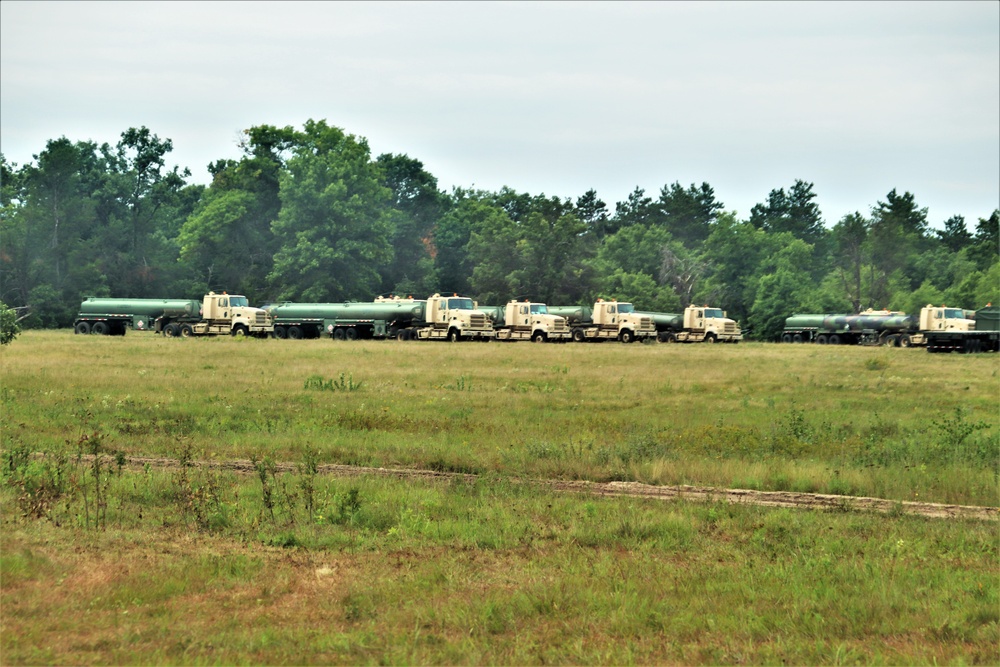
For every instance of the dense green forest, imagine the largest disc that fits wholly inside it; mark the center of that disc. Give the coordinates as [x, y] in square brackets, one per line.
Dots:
[309, 215]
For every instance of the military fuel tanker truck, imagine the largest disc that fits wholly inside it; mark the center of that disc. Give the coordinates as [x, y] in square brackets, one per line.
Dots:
[984, 336]
[698, 324]
[437, 317]
[874, 327]
[607, 320]
[524, 320]
[214, 315]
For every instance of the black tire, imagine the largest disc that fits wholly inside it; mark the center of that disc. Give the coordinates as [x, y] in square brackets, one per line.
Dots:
[280, 332]
[239, 331]
[797, 338]
[710, 339]
[786, 338]
[100, 329]
[834, 339]
[294, 332]
[821, 339]
[82, 328]
[171, 330]
[454, 336]
[186, 331]
[351, 334]
[905, 341]
[626, 336]
[339, 334]
[579, 336]
[538, 337]
[402, 335]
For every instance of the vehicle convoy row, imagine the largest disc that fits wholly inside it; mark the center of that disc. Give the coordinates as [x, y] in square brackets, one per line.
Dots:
[456, 318]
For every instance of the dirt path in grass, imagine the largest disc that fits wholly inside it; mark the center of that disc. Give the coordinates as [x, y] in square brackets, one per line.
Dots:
[634, 489]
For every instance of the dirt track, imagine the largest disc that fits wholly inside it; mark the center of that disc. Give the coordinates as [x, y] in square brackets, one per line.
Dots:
[691, 493]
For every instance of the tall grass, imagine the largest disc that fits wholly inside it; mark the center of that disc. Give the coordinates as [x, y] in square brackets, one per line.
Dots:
[897, 423]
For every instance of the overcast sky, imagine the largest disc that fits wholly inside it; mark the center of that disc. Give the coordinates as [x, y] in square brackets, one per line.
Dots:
[547, 98]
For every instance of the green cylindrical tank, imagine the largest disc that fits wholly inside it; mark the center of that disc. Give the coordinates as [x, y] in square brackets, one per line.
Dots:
[496, 313]
[805, 321]
[573, 314]
[665, 321]
[864, 322]
[144, 307]
[402, 312]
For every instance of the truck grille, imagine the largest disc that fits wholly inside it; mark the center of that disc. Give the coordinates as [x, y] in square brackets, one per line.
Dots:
[261, 318]
[730, 327]
[477, 321]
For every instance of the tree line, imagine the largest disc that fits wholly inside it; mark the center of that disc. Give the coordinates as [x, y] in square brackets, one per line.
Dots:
[309, 215]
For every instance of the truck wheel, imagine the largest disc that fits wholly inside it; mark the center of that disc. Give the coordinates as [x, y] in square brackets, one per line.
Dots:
[538, 337]
[280, 332]
[821, 339]
[797, 338]
[239, 331]
[186, 331]
[170, 330]
[578, 336]
[351, 334]
[100, 329]
[626, 336]
[294, 332]
[904, 341]
[710, 338]
[338, 334]
[834, 339]
[82, 328]
[454, 336]
[402, 335]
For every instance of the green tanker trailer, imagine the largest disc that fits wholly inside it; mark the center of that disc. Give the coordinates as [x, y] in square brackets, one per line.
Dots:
[215, 314]
[437, 317]
[873, 327]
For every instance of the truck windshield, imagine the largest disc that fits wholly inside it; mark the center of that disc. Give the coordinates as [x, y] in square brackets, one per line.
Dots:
[236, 301]
[954, 314]
[460, 304]
[713, 312]
[539, 309]
[626, 308]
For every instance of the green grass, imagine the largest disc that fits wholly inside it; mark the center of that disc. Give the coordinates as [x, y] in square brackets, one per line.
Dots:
[772, 417]
[102, 563]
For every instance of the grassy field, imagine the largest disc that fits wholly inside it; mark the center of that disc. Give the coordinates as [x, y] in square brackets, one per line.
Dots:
[103, 563]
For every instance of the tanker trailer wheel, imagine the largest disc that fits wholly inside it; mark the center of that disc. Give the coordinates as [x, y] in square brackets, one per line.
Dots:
[170, 330]
[627, 336]
[834, 339]
[904, 341]
[338, 334]
[100, 329]
[294, 332]
[821, 339]
[579, 336]
[786, 338]
[351, 334]
[186, 331]
[280, 332]
[239, 331]
[454, 336]
[82, 328]
[797, 338]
